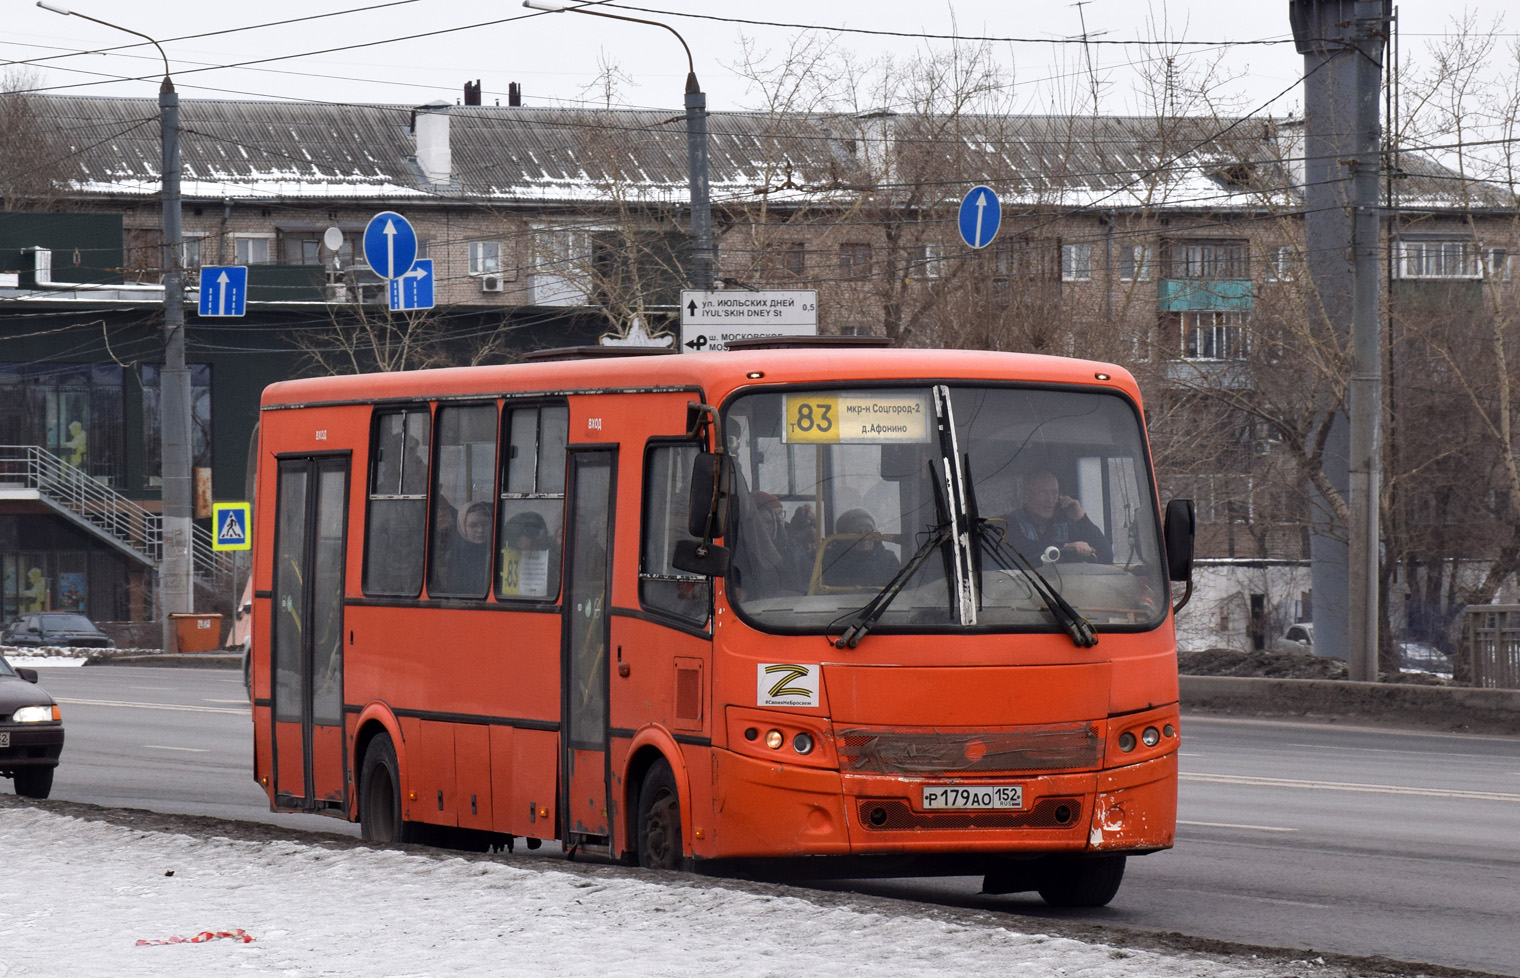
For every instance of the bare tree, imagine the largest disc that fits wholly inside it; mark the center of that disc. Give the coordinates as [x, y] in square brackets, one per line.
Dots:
[31, 170]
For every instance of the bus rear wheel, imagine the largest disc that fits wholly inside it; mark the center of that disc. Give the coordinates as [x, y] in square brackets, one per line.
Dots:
[659, 820]
[380, 795]
[1082, 882]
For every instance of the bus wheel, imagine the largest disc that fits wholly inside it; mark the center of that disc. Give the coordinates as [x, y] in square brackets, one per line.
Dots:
[34, 782]
[380, 795]
[1089, 882]
[659, 827]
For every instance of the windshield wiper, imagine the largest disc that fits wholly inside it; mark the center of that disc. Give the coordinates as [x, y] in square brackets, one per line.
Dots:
[862, 620]
[994, 541]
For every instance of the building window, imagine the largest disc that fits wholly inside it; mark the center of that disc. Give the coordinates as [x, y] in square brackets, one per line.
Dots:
[928, 260]
[70, 410]
[854, 260]
[1076, 262]
[794, 259]
[1134, 263]
[1450, 258]
[306, 247]
[200, 421]
[485, 257]
[1496, 264]
[251, 249]
[1280, 262]
[1213, 335]
[1207, 259]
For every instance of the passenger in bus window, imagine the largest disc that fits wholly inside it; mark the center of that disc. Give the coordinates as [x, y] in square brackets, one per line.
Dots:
[1046, 518]
[855, 555]
[469, 553]
[771, 564]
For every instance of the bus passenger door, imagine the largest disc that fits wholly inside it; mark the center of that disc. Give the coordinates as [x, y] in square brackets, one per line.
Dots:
[585, 768]
[307, 637]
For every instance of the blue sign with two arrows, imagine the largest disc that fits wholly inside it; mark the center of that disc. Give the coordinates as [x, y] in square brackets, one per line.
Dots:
[414, 290]
[390, 245]
[981, 213]
[224, 290]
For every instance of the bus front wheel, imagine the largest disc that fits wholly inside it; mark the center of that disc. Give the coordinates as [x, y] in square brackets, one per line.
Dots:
[659, 824]
[1085, 882]
[380, 795]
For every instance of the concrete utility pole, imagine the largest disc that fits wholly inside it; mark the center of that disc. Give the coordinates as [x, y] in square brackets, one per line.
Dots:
[1342, 42]
[702, 263]
[176, 590]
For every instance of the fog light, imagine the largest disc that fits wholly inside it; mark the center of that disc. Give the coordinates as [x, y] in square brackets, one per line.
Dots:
[803, 743]
[1150, 736]
[1169, 730]
[1126, 742]
[774, 739]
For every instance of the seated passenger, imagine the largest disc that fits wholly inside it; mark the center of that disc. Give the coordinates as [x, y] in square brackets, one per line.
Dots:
[1046, 519]
[857, 557]
[767, 561]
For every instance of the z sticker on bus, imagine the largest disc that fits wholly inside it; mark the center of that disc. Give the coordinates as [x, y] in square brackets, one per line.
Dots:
[787, 684]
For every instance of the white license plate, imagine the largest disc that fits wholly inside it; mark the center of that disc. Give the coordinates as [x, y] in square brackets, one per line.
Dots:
[974, 796]
[5, 738]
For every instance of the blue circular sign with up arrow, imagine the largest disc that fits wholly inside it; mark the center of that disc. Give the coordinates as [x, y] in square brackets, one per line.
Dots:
[981, 213]
[390, 245]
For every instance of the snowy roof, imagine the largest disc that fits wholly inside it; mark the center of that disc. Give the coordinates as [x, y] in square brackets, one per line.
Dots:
[546, 156]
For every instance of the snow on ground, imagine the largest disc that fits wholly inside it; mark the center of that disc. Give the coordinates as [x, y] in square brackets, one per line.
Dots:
[77, 894]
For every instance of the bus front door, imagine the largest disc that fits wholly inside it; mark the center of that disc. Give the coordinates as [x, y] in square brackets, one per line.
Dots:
[307, 638]
[585, 770]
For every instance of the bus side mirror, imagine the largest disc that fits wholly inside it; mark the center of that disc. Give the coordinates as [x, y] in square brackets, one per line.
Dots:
[707, 511]
[697, 557]
[1178, 534]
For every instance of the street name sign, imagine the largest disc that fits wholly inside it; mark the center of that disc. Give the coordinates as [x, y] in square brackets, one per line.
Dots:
[390, 245]
[981, 213]
[230, 523]
[712, 320]
[224, 290]
[414, 290]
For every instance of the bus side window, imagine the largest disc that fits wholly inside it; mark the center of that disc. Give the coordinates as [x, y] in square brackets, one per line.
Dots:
[667, 488]
[464, 486]
[396, 527]
[531, 542]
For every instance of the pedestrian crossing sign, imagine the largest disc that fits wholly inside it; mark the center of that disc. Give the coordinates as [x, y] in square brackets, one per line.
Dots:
[229, 525]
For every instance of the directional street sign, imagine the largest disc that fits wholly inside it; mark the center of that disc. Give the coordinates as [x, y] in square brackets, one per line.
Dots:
[224, 290]
[414, 290]
[230, 523]
[981, 213]
[711, 320]
[390, 245]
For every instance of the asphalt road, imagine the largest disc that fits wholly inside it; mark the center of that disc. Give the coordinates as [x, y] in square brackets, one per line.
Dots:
[1312, 836]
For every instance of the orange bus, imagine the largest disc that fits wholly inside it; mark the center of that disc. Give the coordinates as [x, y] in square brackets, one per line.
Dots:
[845, 611]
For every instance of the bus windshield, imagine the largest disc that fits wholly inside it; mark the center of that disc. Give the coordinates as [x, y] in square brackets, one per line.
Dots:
[934, 508]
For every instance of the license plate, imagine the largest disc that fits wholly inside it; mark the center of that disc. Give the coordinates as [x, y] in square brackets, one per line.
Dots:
[5, 738]
[974, 796]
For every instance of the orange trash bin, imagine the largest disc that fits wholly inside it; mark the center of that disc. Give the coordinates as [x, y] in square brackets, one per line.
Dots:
[197, 632]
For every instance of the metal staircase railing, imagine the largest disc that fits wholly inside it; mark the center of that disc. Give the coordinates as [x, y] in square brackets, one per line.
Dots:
[97, 507]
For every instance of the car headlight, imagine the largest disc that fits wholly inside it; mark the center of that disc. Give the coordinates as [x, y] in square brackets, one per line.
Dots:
[35, 714]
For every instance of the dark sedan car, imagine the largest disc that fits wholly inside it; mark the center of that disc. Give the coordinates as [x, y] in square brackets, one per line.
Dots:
[31, 732]
[64, 628]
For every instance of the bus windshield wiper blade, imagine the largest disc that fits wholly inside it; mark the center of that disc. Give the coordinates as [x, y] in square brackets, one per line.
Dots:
[1082, 633]
[868, 615]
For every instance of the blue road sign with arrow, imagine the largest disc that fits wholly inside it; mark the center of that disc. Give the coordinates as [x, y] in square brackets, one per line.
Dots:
[224, 290]
[981, 213]
[414, 290]
[390, 245]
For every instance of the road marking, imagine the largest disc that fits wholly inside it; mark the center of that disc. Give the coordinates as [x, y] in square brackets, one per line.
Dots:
[1230, 825]
[190, 750]
[152, 706]
[244, 700]
[1376, 789]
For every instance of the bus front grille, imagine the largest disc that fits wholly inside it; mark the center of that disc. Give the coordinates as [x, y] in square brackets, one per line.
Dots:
[1059, 747]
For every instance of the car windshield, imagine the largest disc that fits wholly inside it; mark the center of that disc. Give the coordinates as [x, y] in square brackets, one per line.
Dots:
[837, 491]
[67, 623]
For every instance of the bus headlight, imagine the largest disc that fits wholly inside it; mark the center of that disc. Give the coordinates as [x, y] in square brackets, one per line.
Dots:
[774, 739]
[803, 743]
[1150, 736]
[1126, 741]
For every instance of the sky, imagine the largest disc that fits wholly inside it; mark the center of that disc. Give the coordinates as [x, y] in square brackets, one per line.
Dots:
[414, 54]
[80, 894]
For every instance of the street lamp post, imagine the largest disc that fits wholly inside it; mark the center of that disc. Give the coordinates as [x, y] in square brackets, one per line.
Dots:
[176, 592]
[703, 270]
